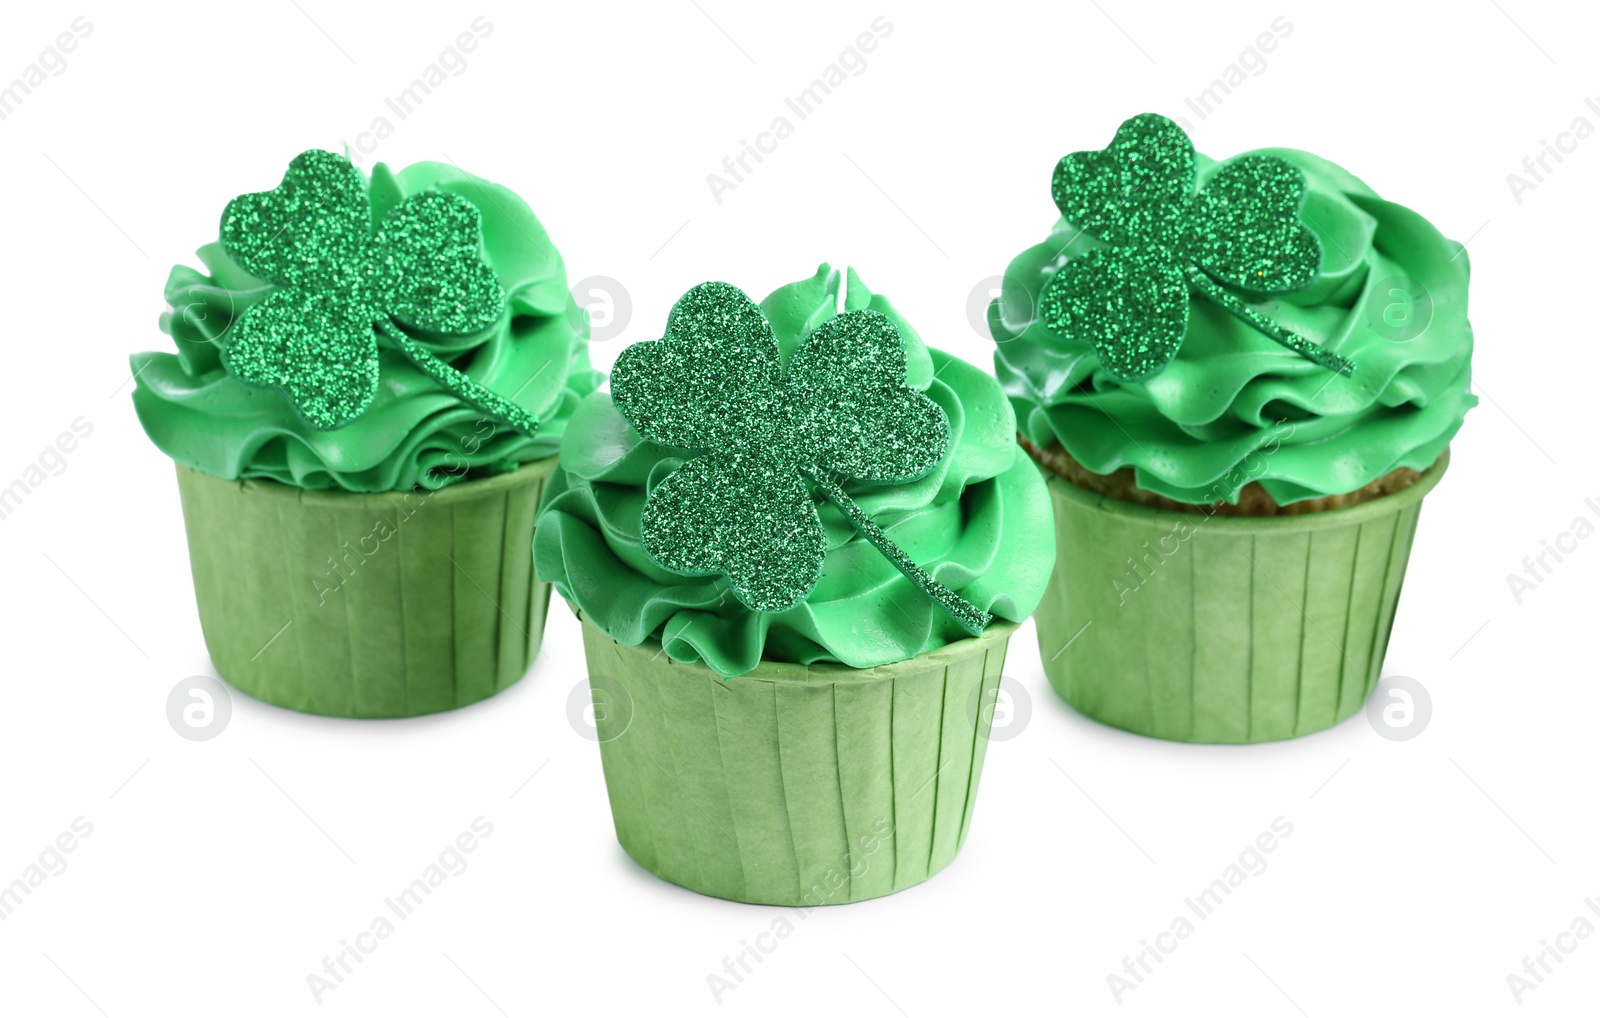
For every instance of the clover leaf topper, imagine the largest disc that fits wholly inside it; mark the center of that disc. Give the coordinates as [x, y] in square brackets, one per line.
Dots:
[769, 436]
[1130, 298]
[342, 286]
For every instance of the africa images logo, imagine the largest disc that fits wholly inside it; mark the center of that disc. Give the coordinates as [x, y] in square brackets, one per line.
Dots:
[51, 63]
[52, 462]
[851, 63]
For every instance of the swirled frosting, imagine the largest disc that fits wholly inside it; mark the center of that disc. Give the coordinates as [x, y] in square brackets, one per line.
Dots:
[416, 432]
[1236, 407]
[979, 522]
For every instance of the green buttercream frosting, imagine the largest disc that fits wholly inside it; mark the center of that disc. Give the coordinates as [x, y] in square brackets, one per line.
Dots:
[980, 523]
[416, 432]
[1236, 407]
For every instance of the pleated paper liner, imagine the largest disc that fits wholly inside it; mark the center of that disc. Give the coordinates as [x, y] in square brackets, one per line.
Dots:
[1222, 629]
[367, 606]
[794, 785]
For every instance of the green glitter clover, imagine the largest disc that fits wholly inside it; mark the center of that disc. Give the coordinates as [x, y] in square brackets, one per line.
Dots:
[1131, 298]
[770, 434]
[341, 285]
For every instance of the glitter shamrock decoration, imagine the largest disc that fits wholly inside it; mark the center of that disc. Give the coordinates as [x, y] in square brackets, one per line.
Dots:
[341, 286]
[1130, 298]
[771, 435]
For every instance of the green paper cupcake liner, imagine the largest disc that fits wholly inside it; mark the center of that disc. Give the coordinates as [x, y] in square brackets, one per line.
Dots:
[367, 606]
[793, 785]
[1236, 630]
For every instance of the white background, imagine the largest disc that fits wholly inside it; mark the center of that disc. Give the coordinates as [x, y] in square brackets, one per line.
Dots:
[219, 874]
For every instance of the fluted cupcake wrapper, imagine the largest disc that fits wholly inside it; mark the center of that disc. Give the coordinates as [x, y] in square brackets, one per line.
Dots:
[370, 606]
[792, 784]
[1222, 629]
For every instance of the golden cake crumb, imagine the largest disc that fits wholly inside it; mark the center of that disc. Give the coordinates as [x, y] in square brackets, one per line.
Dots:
[1253, 498]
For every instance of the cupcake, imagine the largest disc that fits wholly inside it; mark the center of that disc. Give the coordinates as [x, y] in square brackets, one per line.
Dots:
[371, 381]
[1240, 379]
[799, 541]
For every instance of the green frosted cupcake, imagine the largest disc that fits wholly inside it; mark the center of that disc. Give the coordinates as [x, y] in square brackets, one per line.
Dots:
[796, 592]
[370, 384]
[1240, 378]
